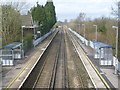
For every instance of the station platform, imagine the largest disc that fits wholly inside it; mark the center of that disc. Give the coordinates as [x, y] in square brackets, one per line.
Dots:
[13, 76]
[107, 72]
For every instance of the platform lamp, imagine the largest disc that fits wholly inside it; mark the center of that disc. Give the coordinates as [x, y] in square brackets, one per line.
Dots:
[96, 31]
[79, 28]
[84, 31]
[22, 42]
[116, 62]
[41, 28]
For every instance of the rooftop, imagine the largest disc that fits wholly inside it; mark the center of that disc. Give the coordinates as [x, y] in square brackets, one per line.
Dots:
[102, 45]
[26, 19]
[11, 45]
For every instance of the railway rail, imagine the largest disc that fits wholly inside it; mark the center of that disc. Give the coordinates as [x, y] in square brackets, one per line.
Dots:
[55, 70]
[58, 68]
[18, 80]
[54, 58]
[53, 78]
[46, 77]
[60, 81]
[91, 69]
[62, 65]
[80, 79]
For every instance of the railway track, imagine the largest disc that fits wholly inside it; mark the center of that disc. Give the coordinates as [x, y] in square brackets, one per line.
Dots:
[93, 73]
[60, 66]
[47, 74]
[91, 83]
[76, 62]
[54, 75]
[60, 81]
[53, 79]
[76, 79]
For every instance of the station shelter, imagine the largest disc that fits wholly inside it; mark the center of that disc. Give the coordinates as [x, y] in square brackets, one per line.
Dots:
[10, 52]
[104, 53]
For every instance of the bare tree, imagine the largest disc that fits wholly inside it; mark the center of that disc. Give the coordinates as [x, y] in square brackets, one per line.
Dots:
[11, 24]
[81, 16]
[19, 6]
[11, 20]
[115, 10]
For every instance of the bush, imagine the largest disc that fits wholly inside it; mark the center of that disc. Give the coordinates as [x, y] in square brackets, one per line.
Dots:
[28, 42]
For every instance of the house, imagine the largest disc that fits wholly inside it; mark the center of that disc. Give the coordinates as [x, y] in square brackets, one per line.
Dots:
[30, 27]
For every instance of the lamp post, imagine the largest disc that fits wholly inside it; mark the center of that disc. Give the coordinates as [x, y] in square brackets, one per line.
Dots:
[116, 62]
[96, 31]
[84, 29]
[79, 28]
[22, 42]
[41, 29]
[34, 32]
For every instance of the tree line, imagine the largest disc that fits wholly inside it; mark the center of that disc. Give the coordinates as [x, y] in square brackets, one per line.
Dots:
[45, 16]
[12, 22]
[105, 31]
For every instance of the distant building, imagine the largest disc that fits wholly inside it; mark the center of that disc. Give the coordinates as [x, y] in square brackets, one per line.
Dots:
[26, 20]
[30, 26]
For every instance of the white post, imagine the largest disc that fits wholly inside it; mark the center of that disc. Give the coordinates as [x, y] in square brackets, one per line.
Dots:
[84, 31]
[22, 37]
[22, 42]
[12, 58]
[40, 28]
[116, 61]
[116, 51]
[79, 28]
[96, 32]
[34, 34]
[100, 57]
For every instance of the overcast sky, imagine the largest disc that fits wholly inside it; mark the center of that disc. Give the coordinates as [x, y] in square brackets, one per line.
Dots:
[70, 9]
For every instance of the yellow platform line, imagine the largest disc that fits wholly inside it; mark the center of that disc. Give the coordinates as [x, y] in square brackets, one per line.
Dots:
[96, 70]
[15, 78]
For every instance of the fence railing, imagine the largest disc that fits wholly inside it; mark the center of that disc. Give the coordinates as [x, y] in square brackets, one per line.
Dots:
[83, 40]
[39, 40]
[90, 43]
